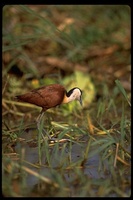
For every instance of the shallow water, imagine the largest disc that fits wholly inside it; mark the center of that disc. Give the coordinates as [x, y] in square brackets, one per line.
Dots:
[62, 161]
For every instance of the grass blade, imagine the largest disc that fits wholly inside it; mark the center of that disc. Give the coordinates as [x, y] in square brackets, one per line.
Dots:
[119, 85]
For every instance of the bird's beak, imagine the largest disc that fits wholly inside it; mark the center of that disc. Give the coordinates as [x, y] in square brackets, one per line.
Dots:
[80, 101]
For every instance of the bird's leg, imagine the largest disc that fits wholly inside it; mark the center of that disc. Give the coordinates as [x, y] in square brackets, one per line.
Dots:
[38, 120]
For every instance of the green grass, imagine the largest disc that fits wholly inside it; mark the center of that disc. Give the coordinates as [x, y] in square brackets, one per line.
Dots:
[70, 45]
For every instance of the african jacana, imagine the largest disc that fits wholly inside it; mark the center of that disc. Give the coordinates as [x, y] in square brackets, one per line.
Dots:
[50, 96]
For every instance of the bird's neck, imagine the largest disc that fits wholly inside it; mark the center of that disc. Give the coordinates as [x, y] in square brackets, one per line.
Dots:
[65, 99]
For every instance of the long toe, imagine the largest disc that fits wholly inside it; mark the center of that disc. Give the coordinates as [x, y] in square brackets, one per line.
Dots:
[47, 133]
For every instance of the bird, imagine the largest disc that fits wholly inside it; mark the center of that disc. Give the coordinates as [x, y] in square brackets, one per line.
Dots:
[50, 96]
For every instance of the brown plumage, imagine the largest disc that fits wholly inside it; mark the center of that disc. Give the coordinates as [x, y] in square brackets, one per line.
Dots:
[45, 97]
[50, 96]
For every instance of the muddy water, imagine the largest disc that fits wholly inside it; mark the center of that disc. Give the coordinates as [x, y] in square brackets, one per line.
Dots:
[60, 161]
[75, 153]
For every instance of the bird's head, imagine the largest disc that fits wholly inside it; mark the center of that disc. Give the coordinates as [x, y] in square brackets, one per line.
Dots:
[73, 94]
